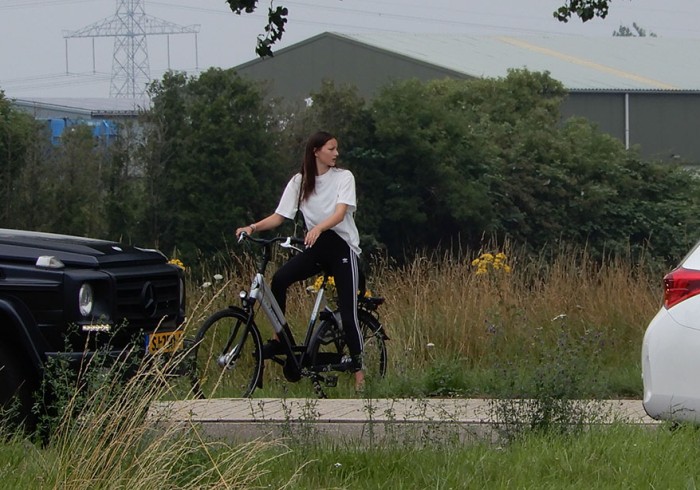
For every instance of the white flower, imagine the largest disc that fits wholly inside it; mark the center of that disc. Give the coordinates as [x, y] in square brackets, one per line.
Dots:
[560, 316]
[338, 465]
[206, 285]
[430, 345]
[218, 277]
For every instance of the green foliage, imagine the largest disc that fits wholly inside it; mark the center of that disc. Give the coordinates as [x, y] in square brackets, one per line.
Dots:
[77, 190]
[449, 161]
[62, 188]
[17, 131]
[209, 159]
[276, 19]
[446, 163]
[625, 31]
[583, 9]
[444, 149]
[124, 189]
[608, 456]
[547, 393]
[430, 162]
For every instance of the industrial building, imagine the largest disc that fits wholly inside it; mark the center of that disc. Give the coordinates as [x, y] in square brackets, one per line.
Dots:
[644, 91]
[100, 114]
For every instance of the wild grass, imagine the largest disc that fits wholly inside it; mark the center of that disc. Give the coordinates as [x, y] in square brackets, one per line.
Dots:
[104, 436]
[604, 457]
[461, 330]
[559, 328]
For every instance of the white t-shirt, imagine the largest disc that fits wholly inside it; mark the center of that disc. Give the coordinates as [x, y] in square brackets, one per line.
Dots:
[334, 187]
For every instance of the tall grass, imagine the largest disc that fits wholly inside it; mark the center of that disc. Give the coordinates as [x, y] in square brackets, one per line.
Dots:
[554, 327]
[443, 315]
[103, 435]
[498, 315]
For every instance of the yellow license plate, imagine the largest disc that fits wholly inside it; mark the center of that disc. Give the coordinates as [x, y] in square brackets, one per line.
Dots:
[164, 341]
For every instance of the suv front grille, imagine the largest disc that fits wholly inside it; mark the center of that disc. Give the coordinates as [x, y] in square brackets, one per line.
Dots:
[144, 299]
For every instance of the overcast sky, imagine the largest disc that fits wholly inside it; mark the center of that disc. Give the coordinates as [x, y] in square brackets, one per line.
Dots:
[33, 55]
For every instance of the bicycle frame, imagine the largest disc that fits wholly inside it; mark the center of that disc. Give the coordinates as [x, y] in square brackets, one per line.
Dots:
[260, 292]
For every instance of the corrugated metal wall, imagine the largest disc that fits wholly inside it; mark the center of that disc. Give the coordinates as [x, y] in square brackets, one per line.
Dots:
[662, 125]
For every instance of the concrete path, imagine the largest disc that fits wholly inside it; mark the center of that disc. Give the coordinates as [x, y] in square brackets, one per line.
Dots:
[374, 420]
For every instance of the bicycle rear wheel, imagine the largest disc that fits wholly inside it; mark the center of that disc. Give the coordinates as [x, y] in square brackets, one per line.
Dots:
[331, 346]
[227, 355]
[375, 357]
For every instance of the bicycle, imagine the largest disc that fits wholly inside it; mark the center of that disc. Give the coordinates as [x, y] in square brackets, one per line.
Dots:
[228, 348]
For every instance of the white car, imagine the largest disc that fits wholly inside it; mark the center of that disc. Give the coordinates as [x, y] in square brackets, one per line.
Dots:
[671, 347]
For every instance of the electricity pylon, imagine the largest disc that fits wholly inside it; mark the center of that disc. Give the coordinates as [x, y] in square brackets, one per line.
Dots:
[129, 28]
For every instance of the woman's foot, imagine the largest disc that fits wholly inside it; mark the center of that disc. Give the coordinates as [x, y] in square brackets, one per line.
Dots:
[359, 381]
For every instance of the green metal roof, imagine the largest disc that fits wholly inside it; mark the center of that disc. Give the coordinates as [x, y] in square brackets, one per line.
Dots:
[580, 63]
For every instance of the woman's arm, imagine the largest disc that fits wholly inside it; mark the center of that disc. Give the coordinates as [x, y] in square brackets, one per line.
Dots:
[326, 224]
[269, 223]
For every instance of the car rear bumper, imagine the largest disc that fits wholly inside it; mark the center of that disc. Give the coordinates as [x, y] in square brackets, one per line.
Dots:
[671, 370]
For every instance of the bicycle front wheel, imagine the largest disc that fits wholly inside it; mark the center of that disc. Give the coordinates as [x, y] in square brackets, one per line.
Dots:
[228, 356]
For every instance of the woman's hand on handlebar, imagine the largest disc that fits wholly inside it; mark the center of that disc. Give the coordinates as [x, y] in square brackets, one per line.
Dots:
[248, 230]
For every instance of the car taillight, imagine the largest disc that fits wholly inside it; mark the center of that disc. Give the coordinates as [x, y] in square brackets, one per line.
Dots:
[680, 285]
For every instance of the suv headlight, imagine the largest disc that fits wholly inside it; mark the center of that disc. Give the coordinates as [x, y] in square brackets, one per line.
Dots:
[86, 299]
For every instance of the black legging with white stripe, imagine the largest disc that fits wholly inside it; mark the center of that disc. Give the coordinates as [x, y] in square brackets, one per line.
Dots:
[332, 254]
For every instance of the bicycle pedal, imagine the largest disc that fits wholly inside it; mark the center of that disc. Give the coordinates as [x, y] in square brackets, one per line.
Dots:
[331, 381]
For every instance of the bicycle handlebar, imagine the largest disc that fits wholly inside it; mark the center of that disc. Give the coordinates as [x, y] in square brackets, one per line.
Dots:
[284, 241]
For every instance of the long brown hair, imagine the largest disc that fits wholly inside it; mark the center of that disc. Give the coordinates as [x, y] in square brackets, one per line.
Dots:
[308, 165]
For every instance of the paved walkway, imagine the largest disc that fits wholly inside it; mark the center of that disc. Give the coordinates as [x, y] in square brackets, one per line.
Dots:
[393, 420]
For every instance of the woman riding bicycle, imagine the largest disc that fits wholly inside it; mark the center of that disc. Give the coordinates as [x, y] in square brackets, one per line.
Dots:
[325, 195]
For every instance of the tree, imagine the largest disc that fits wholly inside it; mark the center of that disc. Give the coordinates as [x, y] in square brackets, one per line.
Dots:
[625, 31]
[453, 161]
[277, 18]
[448, 154]
[17, 133]
[210, 166]
[124, 190]
[583, 9]
[76, 191]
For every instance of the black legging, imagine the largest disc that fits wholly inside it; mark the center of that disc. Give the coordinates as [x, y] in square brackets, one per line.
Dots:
[332, 254]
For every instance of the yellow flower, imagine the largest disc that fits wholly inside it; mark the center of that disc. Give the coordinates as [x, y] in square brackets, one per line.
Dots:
[177, 262]
[330, 286]
[487, 261]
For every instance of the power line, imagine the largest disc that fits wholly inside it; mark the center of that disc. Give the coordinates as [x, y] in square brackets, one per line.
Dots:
[40, 3]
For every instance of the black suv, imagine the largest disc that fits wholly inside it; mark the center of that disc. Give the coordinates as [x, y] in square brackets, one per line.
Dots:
[71, 296]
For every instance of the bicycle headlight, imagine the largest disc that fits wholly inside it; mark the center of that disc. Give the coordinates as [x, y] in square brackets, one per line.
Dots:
[86, 299]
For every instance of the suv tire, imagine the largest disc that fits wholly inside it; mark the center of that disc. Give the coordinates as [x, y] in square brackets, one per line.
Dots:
[16, 388]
